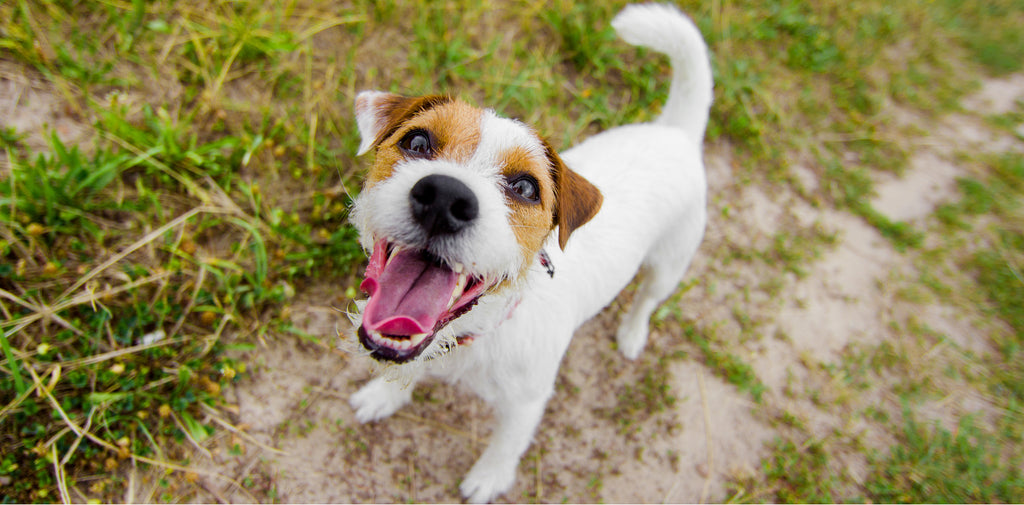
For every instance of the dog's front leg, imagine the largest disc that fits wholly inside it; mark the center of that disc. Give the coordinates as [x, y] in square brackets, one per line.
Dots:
[495, 471]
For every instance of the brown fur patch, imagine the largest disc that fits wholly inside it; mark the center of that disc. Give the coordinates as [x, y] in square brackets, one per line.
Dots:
[577, 199]
[397, 109]
[455, 127]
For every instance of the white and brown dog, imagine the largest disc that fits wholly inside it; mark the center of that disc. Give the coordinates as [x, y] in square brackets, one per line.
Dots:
[460, 210]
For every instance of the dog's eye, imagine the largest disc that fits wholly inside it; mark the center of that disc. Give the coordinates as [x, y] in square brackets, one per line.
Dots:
[526, 188]
[417, 143]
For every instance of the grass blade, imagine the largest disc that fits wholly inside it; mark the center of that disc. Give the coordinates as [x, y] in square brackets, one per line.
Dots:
[13, 362]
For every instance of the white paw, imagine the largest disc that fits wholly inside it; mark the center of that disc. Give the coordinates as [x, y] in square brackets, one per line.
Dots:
[379, 399]
[631, 340]
[486, 481]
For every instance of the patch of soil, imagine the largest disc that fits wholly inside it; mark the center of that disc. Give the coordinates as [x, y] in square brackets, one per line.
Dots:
[33, 108]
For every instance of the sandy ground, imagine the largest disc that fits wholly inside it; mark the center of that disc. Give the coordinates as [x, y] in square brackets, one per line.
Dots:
[300, 442]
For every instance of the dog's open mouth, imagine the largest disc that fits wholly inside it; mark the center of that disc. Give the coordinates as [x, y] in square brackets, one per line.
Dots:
[413, 294]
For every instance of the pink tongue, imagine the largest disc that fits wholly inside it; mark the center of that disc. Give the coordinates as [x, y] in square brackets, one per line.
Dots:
[408, 295]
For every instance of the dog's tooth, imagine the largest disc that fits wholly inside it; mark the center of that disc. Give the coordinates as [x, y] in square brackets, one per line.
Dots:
[460, 286]
[458, 268]
[415, 340]
[394, 251]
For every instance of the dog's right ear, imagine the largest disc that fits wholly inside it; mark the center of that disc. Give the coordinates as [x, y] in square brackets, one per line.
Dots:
[379, 114]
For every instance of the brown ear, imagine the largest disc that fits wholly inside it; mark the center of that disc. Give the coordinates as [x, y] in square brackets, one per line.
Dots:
[379, 114]
[576, 199]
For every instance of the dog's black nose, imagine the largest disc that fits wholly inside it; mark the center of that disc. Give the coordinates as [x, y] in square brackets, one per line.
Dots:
[442, 204]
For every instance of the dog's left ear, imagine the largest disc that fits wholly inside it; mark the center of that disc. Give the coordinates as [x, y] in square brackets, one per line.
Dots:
[576, 199]
[379, 114]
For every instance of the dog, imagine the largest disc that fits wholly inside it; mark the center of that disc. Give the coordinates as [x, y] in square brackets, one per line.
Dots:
[487, 249]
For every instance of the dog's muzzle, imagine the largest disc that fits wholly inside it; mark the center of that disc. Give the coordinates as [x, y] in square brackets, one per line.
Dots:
[412, 292]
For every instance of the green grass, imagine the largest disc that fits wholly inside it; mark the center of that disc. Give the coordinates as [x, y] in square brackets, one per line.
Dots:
[801, 473]
[131, 264]
[646, 398]
[988, 31]
[933, 465]
[734, 370]
[217, 171]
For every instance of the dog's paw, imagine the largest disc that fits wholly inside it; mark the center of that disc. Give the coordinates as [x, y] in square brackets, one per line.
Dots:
[631, 340]
[379, 399]
[486, 481]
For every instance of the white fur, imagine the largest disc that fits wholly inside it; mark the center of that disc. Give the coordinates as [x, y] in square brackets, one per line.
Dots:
[660, 27]
[366, 119]
[653, 218]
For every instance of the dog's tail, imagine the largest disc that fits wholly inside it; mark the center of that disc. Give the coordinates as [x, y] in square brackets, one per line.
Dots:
[667, 30]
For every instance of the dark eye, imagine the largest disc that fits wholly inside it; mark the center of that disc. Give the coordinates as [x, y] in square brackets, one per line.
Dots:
[417, 143]
[526, 187]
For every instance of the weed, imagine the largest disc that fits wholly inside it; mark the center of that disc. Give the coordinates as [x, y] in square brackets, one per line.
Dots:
[794, 249]
[851, 187]
[732, 369]
[648, 396]
[801, 472]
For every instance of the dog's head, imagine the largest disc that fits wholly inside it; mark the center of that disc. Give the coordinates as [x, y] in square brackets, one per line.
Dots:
[457, 206]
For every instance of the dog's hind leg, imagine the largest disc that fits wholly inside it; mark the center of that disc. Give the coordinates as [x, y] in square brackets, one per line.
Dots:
[663, 270]
[380, 398]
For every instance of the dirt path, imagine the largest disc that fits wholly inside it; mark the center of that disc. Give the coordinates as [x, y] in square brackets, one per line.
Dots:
[663, 429]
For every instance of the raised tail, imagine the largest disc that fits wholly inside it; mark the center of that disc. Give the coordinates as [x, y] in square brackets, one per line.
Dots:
[667, 30]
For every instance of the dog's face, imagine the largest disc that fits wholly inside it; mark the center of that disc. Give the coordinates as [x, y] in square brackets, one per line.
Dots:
[456, 206]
